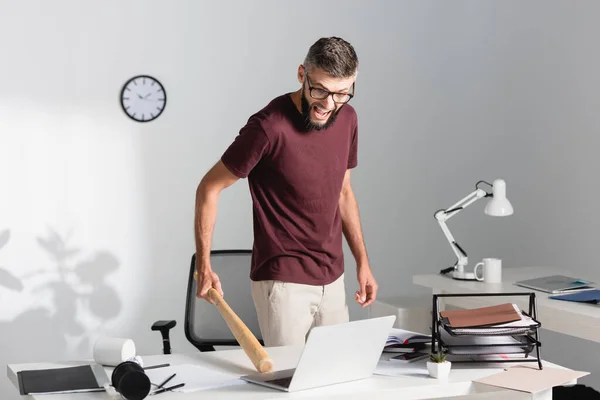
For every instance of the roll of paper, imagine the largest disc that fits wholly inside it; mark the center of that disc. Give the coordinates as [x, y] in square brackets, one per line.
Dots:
[111, 351]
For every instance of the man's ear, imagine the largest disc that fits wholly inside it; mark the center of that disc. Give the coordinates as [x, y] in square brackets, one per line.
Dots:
[301, 74]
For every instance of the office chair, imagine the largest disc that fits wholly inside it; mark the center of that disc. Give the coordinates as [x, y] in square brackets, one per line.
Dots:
[204, 326]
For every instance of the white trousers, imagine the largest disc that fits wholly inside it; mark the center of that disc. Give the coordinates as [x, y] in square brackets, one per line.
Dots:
[287, 311]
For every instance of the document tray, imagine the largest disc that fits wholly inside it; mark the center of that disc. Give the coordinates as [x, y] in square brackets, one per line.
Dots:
[512, 342]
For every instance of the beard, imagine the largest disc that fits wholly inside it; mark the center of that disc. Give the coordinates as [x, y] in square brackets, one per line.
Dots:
[309, 124]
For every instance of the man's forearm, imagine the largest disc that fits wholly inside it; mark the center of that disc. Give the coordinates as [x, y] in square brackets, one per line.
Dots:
[204, 223]
[351, 227]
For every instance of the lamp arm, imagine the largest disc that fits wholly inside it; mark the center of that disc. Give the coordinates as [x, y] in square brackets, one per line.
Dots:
[461, 204]
[444, 215]
[461, 255]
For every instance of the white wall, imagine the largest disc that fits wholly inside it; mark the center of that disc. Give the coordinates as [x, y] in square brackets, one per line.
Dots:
[96, 211]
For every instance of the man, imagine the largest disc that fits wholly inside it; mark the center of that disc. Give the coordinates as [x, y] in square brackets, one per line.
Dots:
[297, 153]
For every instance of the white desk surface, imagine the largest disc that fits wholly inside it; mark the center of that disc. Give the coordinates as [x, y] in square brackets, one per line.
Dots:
[577, 319]
[459, 385]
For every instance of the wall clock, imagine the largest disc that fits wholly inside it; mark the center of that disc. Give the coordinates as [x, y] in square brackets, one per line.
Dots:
[143, 98]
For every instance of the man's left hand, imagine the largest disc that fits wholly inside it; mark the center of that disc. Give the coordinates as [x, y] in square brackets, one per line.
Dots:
[368, 286]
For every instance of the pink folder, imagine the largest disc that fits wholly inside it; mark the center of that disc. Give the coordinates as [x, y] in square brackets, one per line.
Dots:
[528, 378]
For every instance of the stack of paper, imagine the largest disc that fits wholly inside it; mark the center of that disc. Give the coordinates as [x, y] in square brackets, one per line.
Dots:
[483, 345]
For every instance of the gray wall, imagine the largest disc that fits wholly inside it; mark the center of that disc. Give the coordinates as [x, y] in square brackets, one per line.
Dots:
[449, 93]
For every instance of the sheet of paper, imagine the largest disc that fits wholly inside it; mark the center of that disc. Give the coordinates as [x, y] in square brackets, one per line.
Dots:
[195, 377]
[527, 378]
[395, 368]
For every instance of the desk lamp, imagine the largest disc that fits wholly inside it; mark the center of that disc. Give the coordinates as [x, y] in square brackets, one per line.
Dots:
[498, 206]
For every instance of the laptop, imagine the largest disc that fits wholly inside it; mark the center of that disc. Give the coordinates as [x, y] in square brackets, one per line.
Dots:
[556, 284]
[333, 354]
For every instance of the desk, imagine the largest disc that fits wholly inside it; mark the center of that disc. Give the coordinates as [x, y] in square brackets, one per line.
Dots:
[569, 318]
[459, 385]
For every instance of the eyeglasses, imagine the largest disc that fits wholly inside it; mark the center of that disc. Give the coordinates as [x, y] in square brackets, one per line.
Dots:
[322, 94]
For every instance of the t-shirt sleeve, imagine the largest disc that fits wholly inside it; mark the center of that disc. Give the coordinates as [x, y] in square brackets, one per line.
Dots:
[353, 154]
[247, 149]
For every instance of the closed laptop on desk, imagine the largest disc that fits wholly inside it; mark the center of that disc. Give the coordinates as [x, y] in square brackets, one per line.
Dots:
[333, 354]
[556, 284]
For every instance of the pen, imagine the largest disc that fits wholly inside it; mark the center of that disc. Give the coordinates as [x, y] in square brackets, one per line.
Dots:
[157, 366]
[168, 388]
[165, 382]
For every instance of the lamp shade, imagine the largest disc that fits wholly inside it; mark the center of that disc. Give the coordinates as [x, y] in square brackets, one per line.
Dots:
[499, 206]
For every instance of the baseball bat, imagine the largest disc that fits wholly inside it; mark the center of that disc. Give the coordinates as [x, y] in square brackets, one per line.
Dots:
[244, 336]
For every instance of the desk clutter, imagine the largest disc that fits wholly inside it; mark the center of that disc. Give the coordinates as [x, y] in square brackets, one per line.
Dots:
[500, 333]
[129, 379]
[196, 373]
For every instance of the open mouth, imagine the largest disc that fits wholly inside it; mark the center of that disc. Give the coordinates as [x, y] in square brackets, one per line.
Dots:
[321, 113]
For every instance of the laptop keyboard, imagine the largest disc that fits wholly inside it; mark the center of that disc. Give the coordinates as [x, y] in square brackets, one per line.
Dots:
[284, 382]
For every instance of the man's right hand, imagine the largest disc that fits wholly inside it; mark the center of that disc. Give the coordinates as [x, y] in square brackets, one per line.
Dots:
[207, 279]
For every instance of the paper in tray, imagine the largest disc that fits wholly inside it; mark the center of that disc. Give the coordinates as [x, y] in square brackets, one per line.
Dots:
[525, 325]
[478, 345]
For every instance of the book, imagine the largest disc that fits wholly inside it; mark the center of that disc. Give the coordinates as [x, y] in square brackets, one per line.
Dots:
[481, 317]
[406, 340]
[81, 378]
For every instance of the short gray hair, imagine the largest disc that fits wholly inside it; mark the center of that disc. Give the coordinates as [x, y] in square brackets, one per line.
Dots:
[333, 55]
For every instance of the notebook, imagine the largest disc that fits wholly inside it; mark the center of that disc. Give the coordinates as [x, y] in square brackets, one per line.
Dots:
[588, 296]
[556, 284]
[401, 340]
[81, 378]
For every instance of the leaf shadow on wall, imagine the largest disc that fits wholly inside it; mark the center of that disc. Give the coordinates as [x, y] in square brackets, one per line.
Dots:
[70, 300]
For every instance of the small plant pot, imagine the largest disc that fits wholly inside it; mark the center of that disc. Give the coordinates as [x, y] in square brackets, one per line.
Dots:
[439, 370]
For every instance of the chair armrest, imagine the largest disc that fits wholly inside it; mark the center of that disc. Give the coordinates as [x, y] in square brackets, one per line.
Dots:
[164, 326]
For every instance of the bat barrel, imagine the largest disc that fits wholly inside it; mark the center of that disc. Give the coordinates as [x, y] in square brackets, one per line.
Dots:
[248, 342]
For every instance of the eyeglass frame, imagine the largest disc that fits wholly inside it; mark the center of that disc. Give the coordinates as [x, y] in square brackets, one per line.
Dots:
[310, 89]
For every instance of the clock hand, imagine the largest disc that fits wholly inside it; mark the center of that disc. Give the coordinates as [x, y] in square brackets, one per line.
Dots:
[139, 95]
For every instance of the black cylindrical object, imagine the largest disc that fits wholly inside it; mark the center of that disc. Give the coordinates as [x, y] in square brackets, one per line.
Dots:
[130, 380]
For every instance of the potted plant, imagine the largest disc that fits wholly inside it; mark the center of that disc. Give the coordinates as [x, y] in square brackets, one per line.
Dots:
[438, 366]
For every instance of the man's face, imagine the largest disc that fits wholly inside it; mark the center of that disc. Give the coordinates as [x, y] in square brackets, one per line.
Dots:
[318, 106]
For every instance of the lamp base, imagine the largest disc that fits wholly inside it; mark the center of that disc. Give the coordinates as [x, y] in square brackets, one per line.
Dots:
[464, 276]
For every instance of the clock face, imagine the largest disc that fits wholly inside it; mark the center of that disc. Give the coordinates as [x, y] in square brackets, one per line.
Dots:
[143, 98]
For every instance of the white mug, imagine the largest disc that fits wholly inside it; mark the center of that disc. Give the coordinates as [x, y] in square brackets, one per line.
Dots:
[492, 270]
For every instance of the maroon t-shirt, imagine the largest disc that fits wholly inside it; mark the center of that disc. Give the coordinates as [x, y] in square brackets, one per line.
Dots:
[295, 178]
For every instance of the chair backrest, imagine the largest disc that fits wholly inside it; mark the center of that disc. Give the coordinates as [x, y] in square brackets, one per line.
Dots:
[204, 325]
